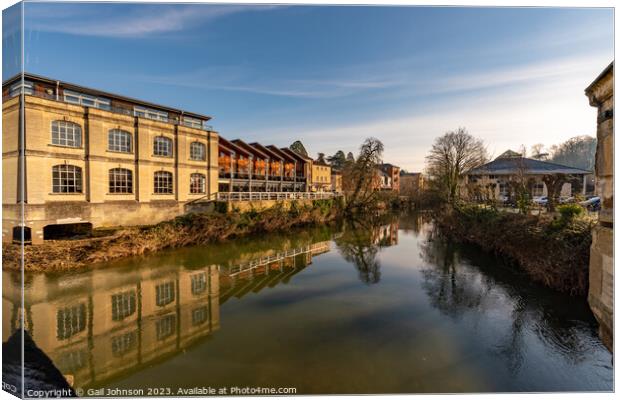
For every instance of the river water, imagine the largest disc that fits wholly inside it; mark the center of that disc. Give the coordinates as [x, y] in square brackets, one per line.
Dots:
[382, 307]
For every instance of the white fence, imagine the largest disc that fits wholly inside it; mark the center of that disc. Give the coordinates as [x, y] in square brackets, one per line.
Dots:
[254, 196]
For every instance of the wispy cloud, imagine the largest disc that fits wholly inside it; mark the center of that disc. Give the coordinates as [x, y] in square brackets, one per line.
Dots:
[134, 22]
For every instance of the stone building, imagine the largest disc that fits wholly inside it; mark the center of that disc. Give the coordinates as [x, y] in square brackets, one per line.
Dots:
[393, 173]
[496, 177]
[321, 175]
[79, 157]
[601, 291]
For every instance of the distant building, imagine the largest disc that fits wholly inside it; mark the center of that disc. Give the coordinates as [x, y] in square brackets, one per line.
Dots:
[321, 176]
[393, 172]
[411, 183]
[497, 175]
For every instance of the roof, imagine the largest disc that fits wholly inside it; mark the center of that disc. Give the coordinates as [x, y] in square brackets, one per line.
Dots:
[272, 154]
[600, 76]
[249, 148]
[295, 154]
[96, 92]
[281, 153]
[510, 165]
[233, 147]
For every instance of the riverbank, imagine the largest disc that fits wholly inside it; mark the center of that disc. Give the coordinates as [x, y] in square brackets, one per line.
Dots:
[185, 230]
[554, 252]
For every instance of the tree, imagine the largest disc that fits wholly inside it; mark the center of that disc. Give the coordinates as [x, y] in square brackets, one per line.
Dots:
[359, 177]
[299, 148]
[450, 158]
[337, 160]
[538, 152]
[350, 157]
[577, 152]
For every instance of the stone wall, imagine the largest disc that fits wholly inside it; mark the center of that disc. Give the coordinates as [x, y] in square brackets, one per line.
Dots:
[600, 294]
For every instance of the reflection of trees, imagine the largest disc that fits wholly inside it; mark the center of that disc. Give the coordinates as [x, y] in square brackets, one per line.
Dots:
[360, 243]
[450, 289]
[462, 278]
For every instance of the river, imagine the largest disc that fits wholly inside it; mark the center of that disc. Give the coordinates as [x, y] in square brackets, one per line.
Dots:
[372, 308]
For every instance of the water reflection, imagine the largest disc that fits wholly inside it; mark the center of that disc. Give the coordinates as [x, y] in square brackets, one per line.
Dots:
[431, 316]
[104, 323]
[360, 241]
[455, 286]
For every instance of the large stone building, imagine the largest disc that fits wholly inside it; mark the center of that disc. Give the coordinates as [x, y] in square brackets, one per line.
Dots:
[601, 280]
[495, 179]
[321, 175]
[74, 155]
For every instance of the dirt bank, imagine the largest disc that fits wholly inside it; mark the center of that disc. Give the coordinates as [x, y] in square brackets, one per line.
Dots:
[186, 230]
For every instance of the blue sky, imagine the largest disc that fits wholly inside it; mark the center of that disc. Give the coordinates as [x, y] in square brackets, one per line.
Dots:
[334, 75]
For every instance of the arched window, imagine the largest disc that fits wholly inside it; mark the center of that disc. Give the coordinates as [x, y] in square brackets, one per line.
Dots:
[163, 182]
[162, 146]
[65, 133]
[119, 140]
[197, 183]
[120, 180]
[197, 151]
[66, 179]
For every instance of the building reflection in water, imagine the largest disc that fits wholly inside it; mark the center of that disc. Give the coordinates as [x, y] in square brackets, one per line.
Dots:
[102, 324]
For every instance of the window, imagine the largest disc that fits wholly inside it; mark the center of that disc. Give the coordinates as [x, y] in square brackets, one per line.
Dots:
[150, 114]
[199, 315]
[123, 305]
[197, 183]
[163, 182]
[86, 100]
[197, 151]
[199, 283]
[70, 321]
[162, 146]
[166, 327]
[120, 180]
[192, 122]
[164, 294]
[119, 140]
[66, 179]
[25, 87]
[65, 133]
[124, 343]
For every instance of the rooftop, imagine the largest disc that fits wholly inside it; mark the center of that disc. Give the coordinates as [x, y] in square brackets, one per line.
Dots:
[53, 83]
[510, 162]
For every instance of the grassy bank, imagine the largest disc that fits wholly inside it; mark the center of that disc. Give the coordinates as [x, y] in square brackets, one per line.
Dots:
[554, 252]
[186, 230]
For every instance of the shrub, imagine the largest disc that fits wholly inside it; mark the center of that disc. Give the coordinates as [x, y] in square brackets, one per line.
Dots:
[568, 212]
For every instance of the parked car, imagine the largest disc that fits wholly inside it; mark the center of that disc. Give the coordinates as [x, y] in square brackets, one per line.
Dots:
[540, 200]
[592, 204]
[567, 200]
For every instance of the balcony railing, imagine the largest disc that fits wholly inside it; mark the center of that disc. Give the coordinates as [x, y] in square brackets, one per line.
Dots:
[116, 110]
[254, 196]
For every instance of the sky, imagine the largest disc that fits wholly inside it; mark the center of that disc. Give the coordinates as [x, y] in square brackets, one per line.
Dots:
[332, 76]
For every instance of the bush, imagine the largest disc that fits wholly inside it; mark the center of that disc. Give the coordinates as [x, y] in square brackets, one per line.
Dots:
[568, 212]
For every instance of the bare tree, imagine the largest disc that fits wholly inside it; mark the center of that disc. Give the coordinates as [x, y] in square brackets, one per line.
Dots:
[359, 177]
[450, 158]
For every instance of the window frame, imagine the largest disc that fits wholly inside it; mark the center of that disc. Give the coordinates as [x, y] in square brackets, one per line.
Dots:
[202, 183]
[119, 134]
[157, 189]
[118, 174]
[203, 149]
[77, 173]
[64, 124]
[157, 141]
